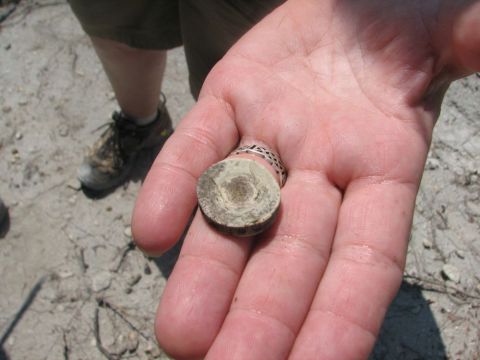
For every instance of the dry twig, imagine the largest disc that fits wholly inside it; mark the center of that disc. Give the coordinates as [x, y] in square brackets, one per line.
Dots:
[127, 248]
[105, 304]
[440, 287]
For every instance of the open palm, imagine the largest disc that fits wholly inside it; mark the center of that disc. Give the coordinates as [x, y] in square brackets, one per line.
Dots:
[347, 92]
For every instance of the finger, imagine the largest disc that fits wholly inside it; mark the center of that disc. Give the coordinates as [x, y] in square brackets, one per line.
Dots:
[363, 274]
[281, 276]
[199, 290]
[167, 197]
[466, 38]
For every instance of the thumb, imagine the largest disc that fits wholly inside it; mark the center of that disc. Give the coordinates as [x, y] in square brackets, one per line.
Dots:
[466, 38]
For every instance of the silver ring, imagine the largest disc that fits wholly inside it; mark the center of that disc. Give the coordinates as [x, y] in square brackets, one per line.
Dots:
[272, 158]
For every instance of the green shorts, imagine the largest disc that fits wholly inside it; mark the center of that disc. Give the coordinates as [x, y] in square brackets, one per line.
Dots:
[207, 28]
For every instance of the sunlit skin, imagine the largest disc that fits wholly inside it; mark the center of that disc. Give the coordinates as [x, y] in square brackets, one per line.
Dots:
[347, 92]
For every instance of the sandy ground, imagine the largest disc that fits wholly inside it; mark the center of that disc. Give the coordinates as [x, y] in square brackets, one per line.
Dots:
[72, 284]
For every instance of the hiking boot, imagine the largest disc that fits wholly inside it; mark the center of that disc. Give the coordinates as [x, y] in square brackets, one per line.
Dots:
[109, 161]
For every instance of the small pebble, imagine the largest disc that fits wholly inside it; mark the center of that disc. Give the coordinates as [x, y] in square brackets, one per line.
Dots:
[101, 281]
[147, 270]
[432, 164]
[149, 348]
[153, 350]
[108, 208]
[427, 244]
[63, 131]
[127, 343]
[460, 254]
[132, 342]
[72, 200]
[64, 274]
[74, 184]
[451, 272]
[18, 136]
[128, 232]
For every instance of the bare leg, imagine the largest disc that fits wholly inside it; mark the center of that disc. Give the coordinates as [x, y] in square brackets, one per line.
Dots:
[135, 74]
[136, 78]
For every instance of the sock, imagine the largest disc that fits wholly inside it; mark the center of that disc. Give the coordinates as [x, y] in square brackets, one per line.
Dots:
[142, 121]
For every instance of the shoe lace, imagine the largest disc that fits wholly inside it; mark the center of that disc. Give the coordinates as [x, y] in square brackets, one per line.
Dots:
[122, 136]
[110, 147]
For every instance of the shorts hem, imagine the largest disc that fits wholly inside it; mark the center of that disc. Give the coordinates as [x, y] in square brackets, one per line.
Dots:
[135, 39]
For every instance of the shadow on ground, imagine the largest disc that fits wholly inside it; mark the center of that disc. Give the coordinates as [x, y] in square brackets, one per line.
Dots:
[166, 262]
[19, 314]
[409, 331]
[3, 355]
[4, 227]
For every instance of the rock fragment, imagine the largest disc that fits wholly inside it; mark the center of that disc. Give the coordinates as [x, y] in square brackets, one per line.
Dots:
[153, 350]
[101, 281]
[427, 244]
[146, 269]
[74, 184]
[432, 164]
[451, 272]
[63, 131]
[132, 342]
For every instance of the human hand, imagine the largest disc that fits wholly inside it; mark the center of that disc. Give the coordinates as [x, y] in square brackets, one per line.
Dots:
[347, 92]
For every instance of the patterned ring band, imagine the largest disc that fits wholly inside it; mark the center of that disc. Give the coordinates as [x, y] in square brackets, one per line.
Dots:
[268, 155]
